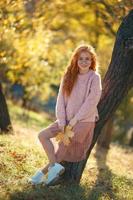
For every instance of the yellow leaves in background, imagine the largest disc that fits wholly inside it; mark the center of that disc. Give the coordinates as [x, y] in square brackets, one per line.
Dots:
[39, 37]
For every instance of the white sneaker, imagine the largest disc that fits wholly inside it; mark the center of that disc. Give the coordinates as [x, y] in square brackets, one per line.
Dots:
[38, 178]
[54, 172]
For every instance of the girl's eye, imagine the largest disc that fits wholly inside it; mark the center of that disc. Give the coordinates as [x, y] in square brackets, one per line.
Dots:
[84, 58]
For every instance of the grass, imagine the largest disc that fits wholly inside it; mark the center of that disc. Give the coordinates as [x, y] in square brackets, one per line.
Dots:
[27, 118]
[107, 175]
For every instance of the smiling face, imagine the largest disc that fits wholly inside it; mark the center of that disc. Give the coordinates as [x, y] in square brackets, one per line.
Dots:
[84, 60]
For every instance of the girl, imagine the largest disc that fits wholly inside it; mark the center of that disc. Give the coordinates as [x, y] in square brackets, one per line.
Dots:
[79, 93]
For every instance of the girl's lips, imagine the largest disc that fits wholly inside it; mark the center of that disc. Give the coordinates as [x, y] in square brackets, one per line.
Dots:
[84, 65]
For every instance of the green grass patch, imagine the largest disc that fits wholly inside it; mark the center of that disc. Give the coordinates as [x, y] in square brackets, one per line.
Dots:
[28, 118]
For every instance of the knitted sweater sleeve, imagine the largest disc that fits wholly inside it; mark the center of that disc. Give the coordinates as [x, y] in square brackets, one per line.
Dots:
[60, 110]
[91, 101]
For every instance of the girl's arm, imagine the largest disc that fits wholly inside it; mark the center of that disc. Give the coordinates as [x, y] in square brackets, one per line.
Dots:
[60, 110]
[89, 105]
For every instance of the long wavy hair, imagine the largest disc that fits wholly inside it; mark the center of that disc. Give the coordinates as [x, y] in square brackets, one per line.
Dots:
[72, 70]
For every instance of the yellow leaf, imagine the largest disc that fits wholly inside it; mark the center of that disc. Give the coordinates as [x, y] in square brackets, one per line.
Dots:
[65, 137]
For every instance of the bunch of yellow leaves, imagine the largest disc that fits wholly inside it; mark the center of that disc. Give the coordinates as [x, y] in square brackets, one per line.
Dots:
[65, 137]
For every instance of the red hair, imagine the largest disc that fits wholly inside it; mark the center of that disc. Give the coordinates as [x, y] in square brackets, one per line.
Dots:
[71, 74]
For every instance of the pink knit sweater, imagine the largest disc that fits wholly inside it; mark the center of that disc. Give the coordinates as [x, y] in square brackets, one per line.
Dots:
[82, 103]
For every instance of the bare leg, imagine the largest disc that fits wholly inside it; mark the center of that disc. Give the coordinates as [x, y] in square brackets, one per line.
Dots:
[49, 149]
[44, 138]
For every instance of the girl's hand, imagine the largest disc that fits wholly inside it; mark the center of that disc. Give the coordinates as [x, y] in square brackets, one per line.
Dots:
[62, 129]
[72, 122]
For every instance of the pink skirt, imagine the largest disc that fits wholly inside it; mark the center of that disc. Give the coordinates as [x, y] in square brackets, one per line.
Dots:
[80, 142]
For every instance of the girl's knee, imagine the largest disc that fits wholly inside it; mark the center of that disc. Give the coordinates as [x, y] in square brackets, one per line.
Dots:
[42, 135]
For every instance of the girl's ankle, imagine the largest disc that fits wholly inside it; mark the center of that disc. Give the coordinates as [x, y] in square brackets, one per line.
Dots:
[51, 164]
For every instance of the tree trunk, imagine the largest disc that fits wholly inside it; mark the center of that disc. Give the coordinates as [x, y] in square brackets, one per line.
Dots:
[131, 140]
[116, 84]
[104, 139]
[5, 123]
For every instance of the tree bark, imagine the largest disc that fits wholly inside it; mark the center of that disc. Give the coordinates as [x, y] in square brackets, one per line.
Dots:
[117, 82]
[104, 139]
[131, 140]
[5, 123]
